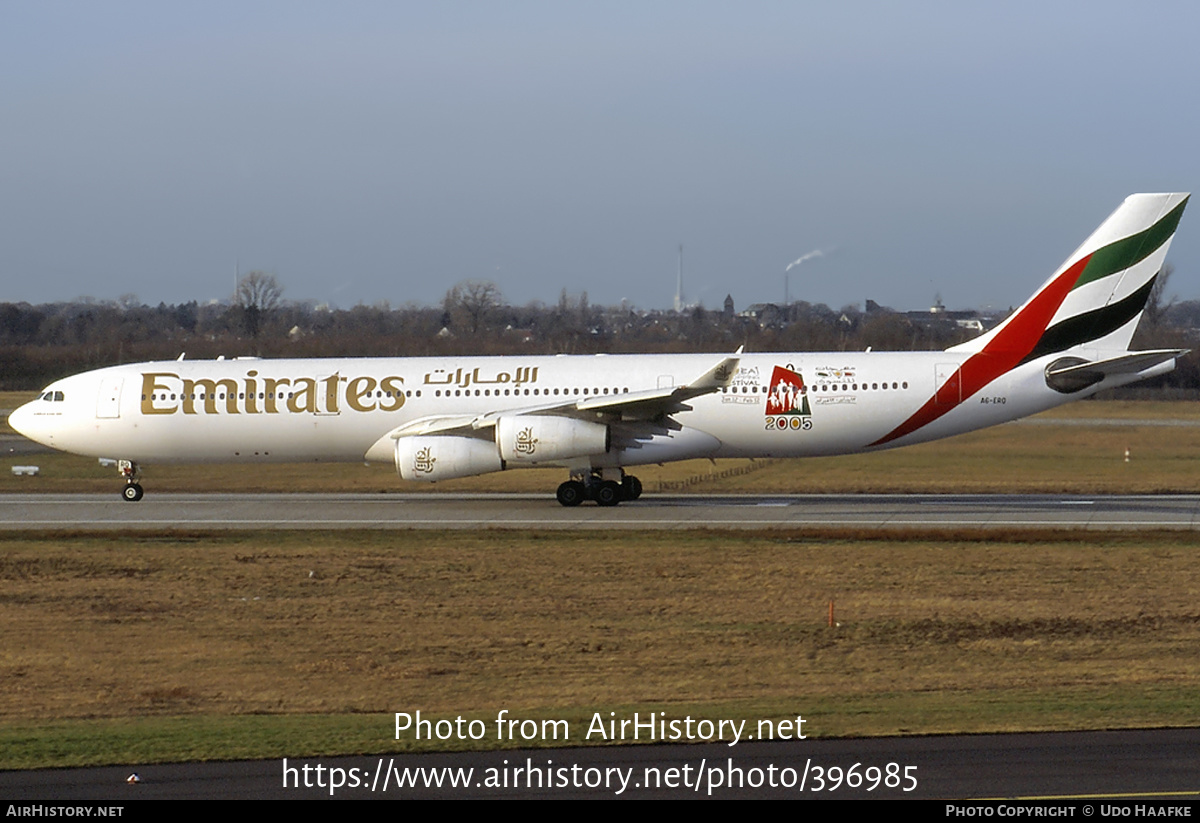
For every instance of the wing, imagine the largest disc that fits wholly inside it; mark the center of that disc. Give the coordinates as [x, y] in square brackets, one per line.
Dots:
[632, 417]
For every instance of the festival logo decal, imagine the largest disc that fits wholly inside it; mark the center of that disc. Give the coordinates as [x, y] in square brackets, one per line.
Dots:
[839, 380]
[743, 388]
[788, 395]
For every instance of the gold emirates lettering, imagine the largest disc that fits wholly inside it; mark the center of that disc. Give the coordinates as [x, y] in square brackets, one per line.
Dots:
[168, 393]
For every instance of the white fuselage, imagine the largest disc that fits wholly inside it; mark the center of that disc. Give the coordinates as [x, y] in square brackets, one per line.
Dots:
[325, 410]
[440, 418]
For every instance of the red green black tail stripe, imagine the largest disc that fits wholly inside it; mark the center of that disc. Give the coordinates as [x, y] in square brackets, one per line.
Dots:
[1003, 352]
[1028, 335]
[1091, 325]
[1118, 256]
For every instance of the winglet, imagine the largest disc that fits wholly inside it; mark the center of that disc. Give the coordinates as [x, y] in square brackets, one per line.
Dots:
[718, 377]
[667, 400]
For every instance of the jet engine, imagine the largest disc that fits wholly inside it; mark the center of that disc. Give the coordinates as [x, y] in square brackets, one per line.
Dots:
[532, 438]
[442, 457]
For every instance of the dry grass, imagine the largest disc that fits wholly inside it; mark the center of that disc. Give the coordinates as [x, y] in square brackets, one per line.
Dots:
[1014, 458]
[257, 644]
[984, 635]
[1125, 410]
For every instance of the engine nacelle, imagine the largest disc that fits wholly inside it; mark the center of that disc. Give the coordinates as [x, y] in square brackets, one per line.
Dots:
[532, 438]
[441, 457]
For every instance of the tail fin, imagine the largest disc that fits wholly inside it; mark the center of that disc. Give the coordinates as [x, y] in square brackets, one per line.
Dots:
[1095, 298]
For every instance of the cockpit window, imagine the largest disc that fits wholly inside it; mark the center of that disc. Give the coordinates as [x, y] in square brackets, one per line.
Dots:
[52, 396]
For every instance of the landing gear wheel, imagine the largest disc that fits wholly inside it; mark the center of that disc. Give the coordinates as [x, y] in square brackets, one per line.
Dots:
[608, 493]
[130, 473]
[571, 493]
[631, 487]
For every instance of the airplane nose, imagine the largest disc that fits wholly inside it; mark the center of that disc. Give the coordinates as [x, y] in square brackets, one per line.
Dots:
[16, 418]
[22, 420]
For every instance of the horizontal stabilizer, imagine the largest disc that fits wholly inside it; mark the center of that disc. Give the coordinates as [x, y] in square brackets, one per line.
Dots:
[1071, 374]
[1131, 363]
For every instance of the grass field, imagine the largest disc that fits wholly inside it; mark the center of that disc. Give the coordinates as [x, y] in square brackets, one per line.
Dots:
[172, 646]
[206, 646]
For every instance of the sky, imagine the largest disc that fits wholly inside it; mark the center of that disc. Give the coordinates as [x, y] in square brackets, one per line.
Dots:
[383, 151]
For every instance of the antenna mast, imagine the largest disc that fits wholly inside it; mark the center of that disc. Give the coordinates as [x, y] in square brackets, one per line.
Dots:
[679, 283]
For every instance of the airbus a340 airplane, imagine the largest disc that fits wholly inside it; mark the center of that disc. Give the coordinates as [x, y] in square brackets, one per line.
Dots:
[438, 418]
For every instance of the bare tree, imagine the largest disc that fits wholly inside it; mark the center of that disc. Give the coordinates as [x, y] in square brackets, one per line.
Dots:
[474, 299]
[1156, 303]
[258, 294]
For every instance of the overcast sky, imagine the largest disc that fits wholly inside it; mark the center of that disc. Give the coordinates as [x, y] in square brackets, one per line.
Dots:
[368, 151]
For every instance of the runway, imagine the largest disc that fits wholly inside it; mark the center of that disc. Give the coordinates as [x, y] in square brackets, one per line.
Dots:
[657, 511]
[1080, 770]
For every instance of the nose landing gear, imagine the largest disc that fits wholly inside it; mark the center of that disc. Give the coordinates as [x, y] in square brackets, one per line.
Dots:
[132, 473]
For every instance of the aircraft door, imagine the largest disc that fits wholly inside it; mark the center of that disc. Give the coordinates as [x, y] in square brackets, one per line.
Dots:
[948, 380]
[108, 401]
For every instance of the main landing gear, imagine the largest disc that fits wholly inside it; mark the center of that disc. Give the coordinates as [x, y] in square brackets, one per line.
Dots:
[132, 473]
[593, 486]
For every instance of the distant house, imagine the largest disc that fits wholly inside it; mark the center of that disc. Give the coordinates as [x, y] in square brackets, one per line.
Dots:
[765, 314]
